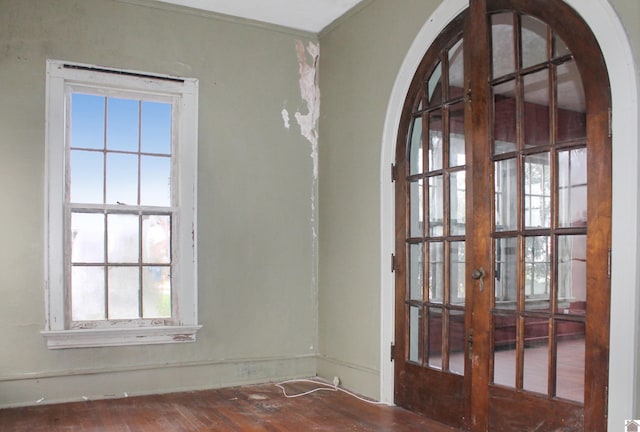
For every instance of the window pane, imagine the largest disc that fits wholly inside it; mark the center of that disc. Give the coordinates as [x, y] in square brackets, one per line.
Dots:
[156, 292]
[122, 124]
[87, 121]
[537, 191]
[122, 179]
[572, 117]
[534, 41]
[536, 108]
[434, 86]
[502, 43]
[436, 272]
[457, 201]
[156, 239]
[86, 171]
[536, 355]
[505, 273]
[415, 147]
[572, 185]
[537, 272]
[87, 238]
[436, 206]
[456, 135]
[456, 70]
[436, 146]
[156, 127]
[456, 341]
[572, 274]
[416, 271]
[87, 293]
[504, 350]
[123, 238]
[570, 355]
[506, 195]
[416, 217]
[559, 47]
[504, 112]
[155, 181]
[435, 338]
[124, 287]
[457, 272]
[415, 320]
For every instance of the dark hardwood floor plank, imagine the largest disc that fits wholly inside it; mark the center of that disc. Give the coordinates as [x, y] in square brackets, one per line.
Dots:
[260, 408]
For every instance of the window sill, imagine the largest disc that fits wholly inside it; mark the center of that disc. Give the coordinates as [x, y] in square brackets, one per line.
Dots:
[88, 338]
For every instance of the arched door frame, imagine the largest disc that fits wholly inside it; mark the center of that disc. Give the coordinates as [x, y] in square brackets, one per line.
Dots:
[625, 301]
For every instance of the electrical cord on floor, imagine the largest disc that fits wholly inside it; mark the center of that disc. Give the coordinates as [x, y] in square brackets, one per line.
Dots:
[326, 387]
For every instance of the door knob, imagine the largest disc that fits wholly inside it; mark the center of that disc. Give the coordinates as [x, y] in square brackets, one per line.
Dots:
[478, 274]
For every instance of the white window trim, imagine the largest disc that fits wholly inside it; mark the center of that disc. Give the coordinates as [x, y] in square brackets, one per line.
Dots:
[60, 75]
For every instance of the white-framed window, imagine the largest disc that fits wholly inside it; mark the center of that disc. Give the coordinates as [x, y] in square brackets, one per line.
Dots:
[120, 234]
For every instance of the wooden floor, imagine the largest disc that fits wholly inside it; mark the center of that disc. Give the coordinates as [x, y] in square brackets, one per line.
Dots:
[251, 408]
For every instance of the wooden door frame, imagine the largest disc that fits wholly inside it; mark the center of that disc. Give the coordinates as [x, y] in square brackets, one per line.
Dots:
[611, 36]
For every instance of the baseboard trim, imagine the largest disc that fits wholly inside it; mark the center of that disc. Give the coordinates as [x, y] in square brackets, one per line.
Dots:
[355, 377]
[96, 384]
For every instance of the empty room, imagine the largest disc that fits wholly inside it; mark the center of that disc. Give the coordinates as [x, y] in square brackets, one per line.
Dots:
[428, 209]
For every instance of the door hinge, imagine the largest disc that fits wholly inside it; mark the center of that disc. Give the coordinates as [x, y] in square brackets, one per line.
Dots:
[394, 263]
[392, 352]
[394, 172]
[609, 263]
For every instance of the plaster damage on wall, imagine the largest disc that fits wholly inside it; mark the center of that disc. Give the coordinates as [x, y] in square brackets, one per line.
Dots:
[310, 93]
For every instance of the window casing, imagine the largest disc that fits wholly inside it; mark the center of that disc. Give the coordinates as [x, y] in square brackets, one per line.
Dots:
[121, 159]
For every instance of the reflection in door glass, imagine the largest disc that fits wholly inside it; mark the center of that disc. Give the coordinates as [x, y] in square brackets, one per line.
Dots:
[456, 70]
[416, 215]
[534, 41]
[572, 118]
[415, 147]
[502, 44]
[570, 355]
[536, 354]
[435, 337]
[572, 274]
[457, 202]
[436, 272]
[506, 195]
[505, 273]
[416, 271]
[536, 108]
[456, 135]
[572, 188]
[504, 114]
[537, 272]
[436, 146]
[504, 350]
[414, 334]
[434, 86]
[457, 272]
[537, 191]
[436, 206]
[456, 341]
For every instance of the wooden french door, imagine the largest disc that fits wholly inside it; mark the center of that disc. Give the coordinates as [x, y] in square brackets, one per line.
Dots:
[503, 204]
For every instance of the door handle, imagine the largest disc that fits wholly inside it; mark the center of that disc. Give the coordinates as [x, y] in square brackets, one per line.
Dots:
[478, 274]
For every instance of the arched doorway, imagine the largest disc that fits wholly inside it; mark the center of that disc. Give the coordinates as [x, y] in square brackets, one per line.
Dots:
[522, 247]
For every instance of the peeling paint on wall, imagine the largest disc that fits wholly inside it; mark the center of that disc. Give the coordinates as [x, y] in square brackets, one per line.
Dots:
[285, 117]
[310, 92]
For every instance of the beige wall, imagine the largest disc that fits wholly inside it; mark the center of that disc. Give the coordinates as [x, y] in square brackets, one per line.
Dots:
[360, 60]
[258, 299]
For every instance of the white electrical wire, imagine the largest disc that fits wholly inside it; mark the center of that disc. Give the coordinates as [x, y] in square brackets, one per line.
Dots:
[327, 387]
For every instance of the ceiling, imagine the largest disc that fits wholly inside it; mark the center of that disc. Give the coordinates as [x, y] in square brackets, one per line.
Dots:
[307, 15]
